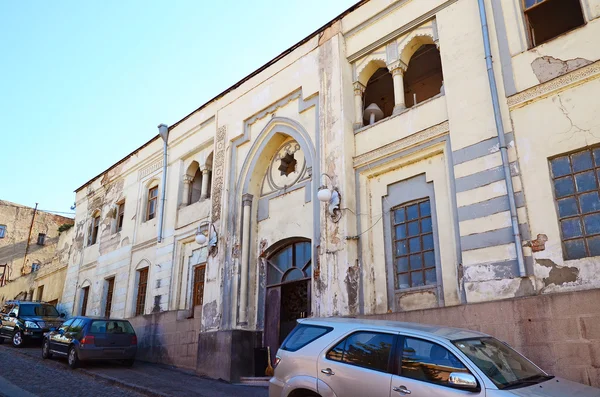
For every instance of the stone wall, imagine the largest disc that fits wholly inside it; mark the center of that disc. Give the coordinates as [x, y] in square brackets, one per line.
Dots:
[559, 332]
[168, 337]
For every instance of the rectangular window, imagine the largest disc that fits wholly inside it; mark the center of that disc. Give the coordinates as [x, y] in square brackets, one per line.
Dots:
[2, 231]
[198, 297]
[120, 216]
[576, 191]
[140, 302]
[40, 292]
[41, 239]
[152, 200]
[110, 286]
[93, 238]
[35, 267]
[414, 255]
[547, 19]
[86, 292]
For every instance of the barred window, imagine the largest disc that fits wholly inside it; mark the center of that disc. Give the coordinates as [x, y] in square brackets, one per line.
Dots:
[575, 178]
[414, 255]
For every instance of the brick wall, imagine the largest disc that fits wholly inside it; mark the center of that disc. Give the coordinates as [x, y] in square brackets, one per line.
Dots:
[559, 332]
[168, 337]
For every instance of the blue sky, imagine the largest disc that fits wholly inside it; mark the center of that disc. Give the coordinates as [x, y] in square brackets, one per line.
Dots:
[84, 83]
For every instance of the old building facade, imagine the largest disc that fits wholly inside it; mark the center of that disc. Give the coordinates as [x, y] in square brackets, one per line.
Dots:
[34, 252]
[409, 155]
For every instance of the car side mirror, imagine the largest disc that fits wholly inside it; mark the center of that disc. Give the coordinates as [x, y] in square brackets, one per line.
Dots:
[12, 315]
[62, 315]
[462, 380]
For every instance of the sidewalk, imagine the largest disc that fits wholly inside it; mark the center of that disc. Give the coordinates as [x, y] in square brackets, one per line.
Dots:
[164, 381]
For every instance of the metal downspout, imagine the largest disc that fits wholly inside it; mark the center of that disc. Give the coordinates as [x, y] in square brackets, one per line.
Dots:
[162, 193]
[501, 139]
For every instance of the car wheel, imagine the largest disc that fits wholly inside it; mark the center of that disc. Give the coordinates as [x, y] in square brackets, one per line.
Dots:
[128, 363]
[73, 359]
[17, 339]
[46, 350]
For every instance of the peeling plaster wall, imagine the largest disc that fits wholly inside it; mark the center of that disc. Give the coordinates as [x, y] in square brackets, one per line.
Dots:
[51, 256]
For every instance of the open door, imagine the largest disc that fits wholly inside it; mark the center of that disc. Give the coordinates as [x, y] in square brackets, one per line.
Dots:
[272, 320]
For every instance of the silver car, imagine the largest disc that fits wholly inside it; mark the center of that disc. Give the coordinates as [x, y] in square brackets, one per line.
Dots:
[371, 358]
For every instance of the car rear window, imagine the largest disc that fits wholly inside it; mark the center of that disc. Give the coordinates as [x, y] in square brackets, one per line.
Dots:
[302, 335]
[111, 327]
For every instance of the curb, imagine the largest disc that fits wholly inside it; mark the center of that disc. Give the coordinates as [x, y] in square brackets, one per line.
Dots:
[126, 385]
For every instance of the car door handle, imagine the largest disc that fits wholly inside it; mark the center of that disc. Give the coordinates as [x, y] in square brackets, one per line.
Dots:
[328, 371]
[401, 389]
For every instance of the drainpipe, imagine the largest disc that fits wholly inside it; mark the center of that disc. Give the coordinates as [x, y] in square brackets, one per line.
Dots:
[502, 140]
[29, 239]
[163, 130]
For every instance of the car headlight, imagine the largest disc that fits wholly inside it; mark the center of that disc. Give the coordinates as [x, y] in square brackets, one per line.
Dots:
[30, 324]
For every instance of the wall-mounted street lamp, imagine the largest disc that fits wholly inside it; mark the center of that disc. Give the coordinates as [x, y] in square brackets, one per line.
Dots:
[332, 197]
[208, 233]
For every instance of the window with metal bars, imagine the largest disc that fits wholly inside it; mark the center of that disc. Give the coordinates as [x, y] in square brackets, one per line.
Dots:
[576, 191]
[140, 302]
[110, 286]
[414, 253]
[86, 292]
[198, 295]
[547, 19]
[41, 239]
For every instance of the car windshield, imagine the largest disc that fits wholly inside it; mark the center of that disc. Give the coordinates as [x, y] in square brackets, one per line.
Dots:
[504, 366]
[38, 310]
[111, 327]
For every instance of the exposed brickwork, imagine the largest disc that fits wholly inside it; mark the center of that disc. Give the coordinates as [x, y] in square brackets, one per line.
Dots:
[559, 332]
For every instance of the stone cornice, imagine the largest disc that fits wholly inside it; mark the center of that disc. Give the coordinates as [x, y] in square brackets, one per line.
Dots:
[400, 144]
[575, 78]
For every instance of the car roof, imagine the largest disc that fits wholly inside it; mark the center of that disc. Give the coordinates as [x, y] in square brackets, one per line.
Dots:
[424, 329]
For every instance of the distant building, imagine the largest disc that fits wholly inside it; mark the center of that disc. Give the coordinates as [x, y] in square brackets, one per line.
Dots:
[33, 253]
[370, 169]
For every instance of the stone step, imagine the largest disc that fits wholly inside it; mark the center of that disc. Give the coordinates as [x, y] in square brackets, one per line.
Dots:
[255, 381]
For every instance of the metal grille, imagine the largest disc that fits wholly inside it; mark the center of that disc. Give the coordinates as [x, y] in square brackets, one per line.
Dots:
[109, 296]
[86, 292]
[414, 256]
[575, 178]
[199, 272]
[141, 293]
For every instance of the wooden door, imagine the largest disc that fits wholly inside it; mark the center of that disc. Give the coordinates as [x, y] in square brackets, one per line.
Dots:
[272, 320]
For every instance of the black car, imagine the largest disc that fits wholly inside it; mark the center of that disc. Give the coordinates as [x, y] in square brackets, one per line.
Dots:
[90, 338]
[25, 320]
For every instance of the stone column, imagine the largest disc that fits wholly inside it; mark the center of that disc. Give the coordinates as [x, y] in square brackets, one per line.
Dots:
[187, 181]
[398, 69]
[205, 179]
[359, 90]
[246, 221]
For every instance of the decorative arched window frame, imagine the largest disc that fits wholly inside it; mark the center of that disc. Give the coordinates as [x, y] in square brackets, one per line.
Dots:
[395, 56]
[201, 161]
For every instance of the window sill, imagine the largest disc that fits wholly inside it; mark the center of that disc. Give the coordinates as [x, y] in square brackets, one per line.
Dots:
[416, 289]
[366, 127]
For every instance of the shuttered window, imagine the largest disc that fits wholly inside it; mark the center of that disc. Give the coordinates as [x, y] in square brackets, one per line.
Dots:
[140, 303]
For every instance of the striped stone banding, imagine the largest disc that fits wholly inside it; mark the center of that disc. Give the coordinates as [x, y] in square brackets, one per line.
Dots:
[489, 207]
[493, 238]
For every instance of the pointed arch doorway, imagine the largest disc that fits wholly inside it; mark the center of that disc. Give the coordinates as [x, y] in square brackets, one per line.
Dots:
[288, 295]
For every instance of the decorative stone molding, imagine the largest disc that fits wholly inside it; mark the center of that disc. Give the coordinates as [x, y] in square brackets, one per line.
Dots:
[187, 179]
[247, 200]
[575, 78]
[218, 167]
[150, 169]
[397, 67]
[400, 144]
[359, 89]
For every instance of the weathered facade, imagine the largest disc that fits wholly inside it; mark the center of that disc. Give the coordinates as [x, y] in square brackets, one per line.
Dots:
[34, 253]
[444, 183]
